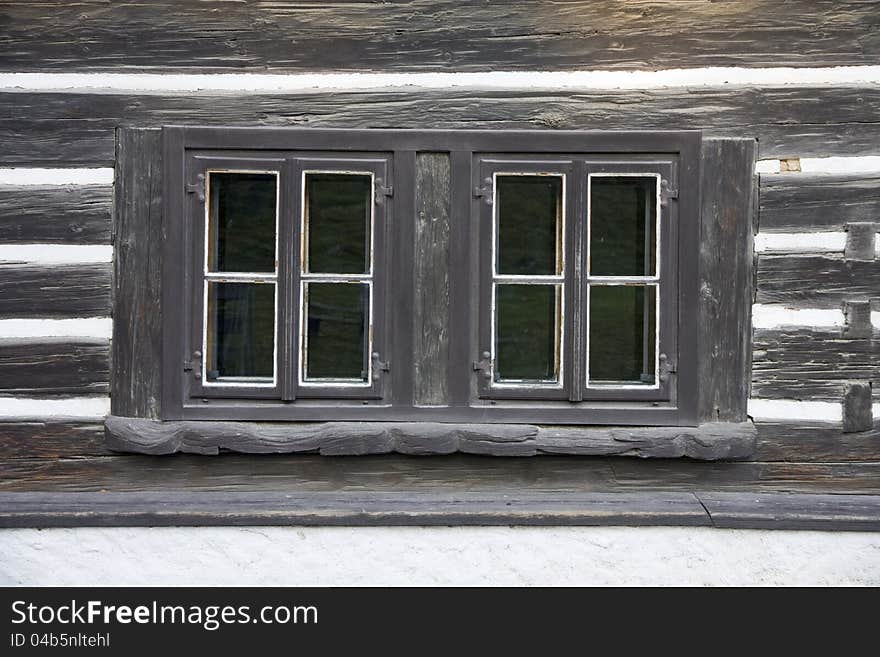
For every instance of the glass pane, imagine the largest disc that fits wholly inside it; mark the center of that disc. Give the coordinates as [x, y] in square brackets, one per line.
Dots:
[529, 225]
[622, 334]
[241, 330]
[338, 316]
[338, 210]
[527, 332]
[623, 236]
[241, 233]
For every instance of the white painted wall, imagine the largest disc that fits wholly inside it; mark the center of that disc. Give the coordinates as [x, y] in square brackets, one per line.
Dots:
[409, 556]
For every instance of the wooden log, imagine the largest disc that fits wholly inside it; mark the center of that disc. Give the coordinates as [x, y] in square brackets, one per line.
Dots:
[54, 292]
[810, 363]
[815, 441]
[707, 442]
[137, 314]
[857, 318]
[420, 35]
[726, 284]
[54, 366]
[431, 334]
[75, 214]
[51, 440]
[815, 281]
[860, 238]
[76, 129]
[817, 201]
[857, 411]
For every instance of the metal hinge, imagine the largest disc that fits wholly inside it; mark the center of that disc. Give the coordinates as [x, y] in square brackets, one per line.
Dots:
[485, 192]
[382, 191]
[194, 365]
[666, 192]
[379, 366]
[484, 365]
[667, 367]
[197, 187]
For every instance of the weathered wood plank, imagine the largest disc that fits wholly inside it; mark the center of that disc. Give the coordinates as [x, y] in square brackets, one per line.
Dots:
[706, 442]
[726, 278]
[815, 441]
[137, 265]
[54, 292]
[792, 202]
[811, 363]
[54, 366]
[816, 281]
[76, 214]
[857, 411]
[431, 333]
[76, 129]
[51, 440]
[433, 35]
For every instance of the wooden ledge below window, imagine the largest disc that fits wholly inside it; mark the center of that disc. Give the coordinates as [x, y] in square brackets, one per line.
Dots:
[709, 442]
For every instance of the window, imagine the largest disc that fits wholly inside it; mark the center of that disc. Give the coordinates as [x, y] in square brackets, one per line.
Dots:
[570, 268]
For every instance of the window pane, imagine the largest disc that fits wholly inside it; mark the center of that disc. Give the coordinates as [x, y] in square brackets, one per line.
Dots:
[623, 237]
[338, 210]
[241, 330]
[241, 233]
[527, 332]
[529, 225]
[337, 331]
[622, 334]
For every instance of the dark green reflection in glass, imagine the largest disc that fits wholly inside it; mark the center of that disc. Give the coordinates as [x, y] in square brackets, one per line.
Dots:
[338, 223]
[241, 330]
[529, 224]
[527, 332]
[622, 334]
[337, 332]
[241, 235]
[622, 225]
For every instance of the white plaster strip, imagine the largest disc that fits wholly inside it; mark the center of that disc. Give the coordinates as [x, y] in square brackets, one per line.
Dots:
[29, 176]
[831, 165]
[875, 319]
[80, 327]
[84, 408]
[822, 242]
[766, 316]
[56, 254]
[272, 83]
[789, 409]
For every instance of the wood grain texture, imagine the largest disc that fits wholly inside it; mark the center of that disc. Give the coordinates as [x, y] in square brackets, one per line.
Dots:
[792, 202]
[857, 411]
[860, 238]
[51, 440]
[726, 279]
[76, 129]
[54, 292]
[431, 328]
[811, 363]
[433, 35]
[75, 214]
[707, 442]
[54, 366]
[815, 441]
[815, 281]
[137, 264]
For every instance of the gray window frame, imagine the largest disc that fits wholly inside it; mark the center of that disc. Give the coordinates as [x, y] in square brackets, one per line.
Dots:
[392, 397]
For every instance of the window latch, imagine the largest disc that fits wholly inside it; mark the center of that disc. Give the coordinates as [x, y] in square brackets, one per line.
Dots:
[667, 367]
[484, 192]
[193, 365]
[484, 365]
[666, 192]
[379, 366]
[382, 191]
[197, 187]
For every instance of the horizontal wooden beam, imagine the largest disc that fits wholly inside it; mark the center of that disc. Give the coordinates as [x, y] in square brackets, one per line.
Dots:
[54, 366]
[52, 440]
[77, 129]
[815, 441]
[74, 214]
[801, 202]
[811, 363]
[54, 292]
[706, 442]
[815, 281]
[433, 35]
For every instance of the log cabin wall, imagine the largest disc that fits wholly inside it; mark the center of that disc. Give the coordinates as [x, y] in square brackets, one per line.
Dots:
[72, 73]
